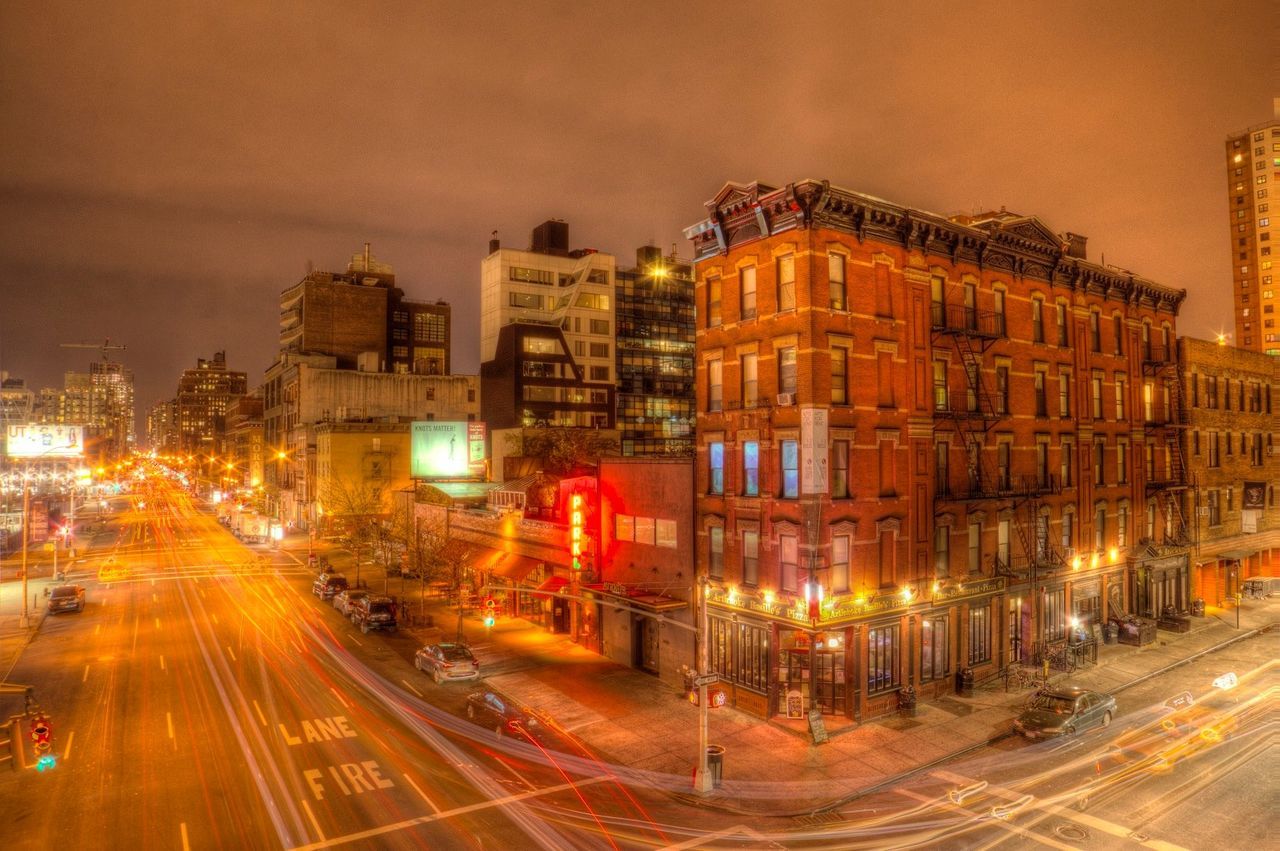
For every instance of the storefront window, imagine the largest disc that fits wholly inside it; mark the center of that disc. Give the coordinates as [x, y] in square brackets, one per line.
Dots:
[813, 667]
[882, 658]
[740, 653]
[1055, 615]
[980, 634]
[934, 658]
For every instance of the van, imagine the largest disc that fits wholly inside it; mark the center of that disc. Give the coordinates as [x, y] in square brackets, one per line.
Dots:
[1261, 587]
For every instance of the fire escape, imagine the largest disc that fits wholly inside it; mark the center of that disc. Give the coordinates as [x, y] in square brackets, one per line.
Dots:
[972, 415]
[1165, 417]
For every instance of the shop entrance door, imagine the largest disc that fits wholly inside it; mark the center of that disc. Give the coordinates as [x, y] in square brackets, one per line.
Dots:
[828, 681]
[644, 632]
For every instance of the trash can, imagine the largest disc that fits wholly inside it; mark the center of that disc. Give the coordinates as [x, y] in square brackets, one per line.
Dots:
[907, 701]
[715, 764]
[1197, 608]
[1111, 633]
[964, 682]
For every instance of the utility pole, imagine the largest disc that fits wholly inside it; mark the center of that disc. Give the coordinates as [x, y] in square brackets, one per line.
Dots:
[25, 620]
[702, 781]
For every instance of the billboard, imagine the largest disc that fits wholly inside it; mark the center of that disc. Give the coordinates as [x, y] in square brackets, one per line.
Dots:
[45, 441]
[452, 450]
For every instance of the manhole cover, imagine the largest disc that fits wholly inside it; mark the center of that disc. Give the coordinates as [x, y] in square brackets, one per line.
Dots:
[1071, 831]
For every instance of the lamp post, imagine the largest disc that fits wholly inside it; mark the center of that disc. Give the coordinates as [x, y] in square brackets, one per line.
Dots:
[702, 781]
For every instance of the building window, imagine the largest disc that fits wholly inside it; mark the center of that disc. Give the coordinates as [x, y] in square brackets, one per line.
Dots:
[884, 380]
[836, 283]
[790, 459]
[980, 634]
[1037, 320]
[1042, 462]
[1215, 510]
[1122, 463]
[1055, 615]
[787, 282]
[715, 385]
[599, 326]
[1042, 400]
[839, 469]
[1099, 452]
[1002, 390]
[1068, 532]
[601, 373]
[934, 657]
[1063, 337]
[882, 661]
[1118, 327]
[600, 350]
[941, 550]
[975, 547]
[1122, 389]
[839, 368]
[1068, 464]
[787, 369]
[747, 276]
[750, 381]
[751, 468]
[1003, 470]
[1100, 526]
[526, 301]
[1004, 544]
[713, 302]
[750, 557]
[716, 567]
[1095, 387]
[788, 562]
[1213, 449]
[840, 564]
[942, 467]
[1095, 332]
[998, 297]
[1064, 395]
[715, 458]
[1122, 525]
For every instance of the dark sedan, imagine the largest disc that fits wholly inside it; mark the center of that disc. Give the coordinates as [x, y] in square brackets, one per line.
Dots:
[1063, 711]
[66, 598]
[505, 717]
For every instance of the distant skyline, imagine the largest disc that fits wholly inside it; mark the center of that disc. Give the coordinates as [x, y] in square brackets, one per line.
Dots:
[169, 170]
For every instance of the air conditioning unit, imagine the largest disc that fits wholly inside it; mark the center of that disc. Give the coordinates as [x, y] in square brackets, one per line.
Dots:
[786, 399]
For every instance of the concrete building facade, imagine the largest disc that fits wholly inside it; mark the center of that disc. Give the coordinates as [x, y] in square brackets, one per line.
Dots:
[1253, 174]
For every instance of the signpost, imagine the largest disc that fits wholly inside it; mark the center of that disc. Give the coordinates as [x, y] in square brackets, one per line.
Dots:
[705, 680]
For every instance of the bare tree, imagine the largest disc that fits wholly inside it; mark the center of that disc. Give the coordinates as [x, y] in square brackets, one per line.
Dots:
[356, 510]
[437, 558]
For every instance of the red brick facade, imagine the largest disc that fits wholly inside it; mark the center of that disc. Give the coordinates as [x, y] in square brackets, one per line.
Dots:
[940, 357]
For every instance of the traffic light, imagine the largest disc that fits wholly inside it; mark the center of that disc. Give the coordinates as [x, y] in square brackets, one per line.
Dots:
[490, 605]
[41, 736]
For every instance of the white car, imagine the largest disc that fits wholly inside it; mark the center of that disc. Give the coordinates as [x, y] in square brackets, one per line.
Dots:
[343, 599]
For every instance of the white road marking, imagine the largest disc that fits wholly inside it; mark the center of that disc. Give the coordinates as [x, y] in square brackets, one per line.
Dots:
[444, 814]
[353, 638]
[261, 717]
[162, 663]
[70, 737]
[430, 803]
[86, 674]
[214, 616]
[157, 623]
[154, 598]
[186, 845]
[345, 705]
[411, 688]
[168, 719]
[97, 629]
[231, 653]
[314, 823]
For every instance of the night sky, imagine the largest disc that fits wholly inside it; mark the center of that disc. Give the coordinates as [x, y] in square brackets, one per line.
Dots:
[169, 168]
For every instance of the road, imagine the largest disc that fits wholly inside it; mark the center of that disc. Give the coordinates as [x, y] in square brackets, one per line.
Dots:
[204, 700]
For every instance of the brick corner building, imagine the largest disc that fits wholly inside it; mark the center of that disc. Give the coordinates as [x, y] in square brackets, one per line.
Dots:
[923, 444]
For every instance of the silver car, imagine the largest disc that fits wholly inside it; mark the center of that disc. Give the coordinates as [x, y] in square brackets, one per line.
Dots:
[1063, 711]
[447, 662]
[343, 599]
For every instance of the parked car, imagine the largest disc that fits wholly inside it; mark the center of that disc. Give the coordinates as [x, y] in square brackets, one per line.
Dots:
[500, 714]
[328, 584]
[343, 599]
[371, 612]
[66, 598]
[1063, 711]
[447, 662]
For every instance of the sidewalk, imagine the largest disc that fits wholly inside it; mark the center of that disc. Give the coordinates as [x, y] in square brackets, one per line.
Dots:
[628, 717]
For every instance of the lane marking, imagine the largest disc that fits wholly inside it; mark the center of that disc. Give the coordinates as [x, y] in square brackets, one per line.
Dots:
[457, 811]
[97, 629]
[411, 688]
[231, 653]
[154, 597]
[162, 662]
[70, 737]
[353, 638]
[168, 719]
[86, 674]
[186, 845]
[213, 614]
[157, 623]
[430, 803]
[345, 705]
[314, 823]
[261, 717]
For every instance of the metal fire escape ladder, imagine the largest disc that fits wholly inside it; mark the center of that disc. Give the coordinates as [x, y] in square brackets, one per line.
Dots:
[1163, 365]
[975, 413]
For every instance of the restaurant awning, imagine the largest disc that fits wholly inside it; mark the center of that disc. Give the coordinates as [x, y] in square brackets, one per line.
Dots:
[640, 598]
[514, 567]
[552, 585]
[1236, 555]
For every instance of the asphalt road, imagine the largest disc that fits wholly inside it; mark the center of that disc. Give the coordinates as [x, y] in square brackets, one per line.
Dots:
[204, 700]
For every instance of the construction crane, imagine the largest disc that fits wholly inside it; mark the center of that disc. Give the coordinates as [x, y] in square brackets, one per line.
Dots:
[105, 346]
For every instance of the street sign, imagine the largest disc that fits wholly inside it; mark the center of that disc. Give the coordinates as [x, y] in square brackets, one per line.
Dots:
[705, 680]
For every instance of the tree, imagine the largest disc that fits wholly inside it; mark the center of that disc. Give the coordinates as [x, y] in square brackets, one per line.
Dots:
[563, 451]
[437, 558]
[355, 510]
